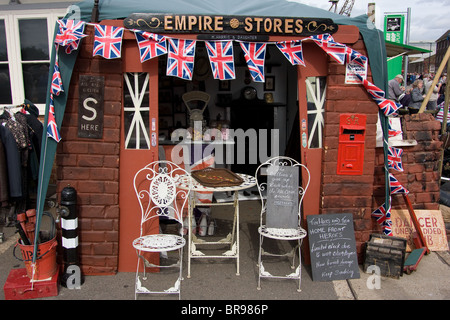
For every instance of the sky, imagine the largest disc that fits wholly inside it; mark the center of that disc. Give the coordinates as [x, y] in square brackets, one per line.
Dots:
[430, 19]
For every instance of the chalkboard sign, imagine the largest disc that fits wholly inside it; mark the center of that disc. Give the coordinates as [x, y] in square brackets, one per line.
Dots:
[282, 197]
[332, 247]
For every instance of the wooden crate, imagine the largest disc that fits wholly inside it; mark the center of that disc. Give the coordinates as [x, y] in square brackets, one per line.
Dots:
[388, 253]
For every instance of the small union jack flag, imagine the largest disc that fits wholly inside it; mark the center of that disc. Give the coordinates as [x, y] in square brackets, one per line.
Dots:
[69, 34]
[150, 45]
[292, 50]
[108, 41]
[354, 56]
[395, 159]
[180, 60]
[52, 128]
[57, 85]
[388, 107]
[221, 58]
[383, 217]
[392, 132]
[395, 186]
[381, 213]
[336, 50]
[255, 54]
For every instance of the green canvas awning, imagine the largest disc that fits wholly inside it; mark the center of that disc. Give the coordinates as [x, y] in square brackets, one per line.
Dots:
[394, 49]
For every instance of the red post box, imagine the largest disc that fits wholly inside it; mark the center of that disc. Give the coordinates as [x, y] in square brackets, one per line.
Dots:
[352, 134]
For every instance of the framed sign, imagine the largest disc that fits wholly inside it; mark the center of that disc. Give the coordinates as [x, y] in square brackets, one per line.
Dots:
[90, 107]
[332, 247]
[394, 28]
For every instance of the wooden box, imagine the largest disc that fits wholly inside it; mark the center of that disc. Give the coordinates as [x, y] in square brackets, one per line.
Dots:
[18, 286]
[388, 253]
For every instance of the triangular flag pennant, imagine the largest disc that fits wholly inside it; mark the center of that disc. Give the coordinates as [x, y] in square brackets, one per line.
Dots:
[292, 50]
[108, 41]
[255, 54]
[388, 107]
[180, 60]
[221, 57]
[57, 85]
[380, 213]
[335, 50]
[395, 159]
[69, 34]
[395, 186]
[150, 45]
[52, 129]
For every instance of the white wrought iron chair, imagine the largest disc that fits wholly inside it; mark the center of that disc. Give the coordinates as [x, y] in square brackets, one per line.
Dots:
[162, 205]
[280, 217]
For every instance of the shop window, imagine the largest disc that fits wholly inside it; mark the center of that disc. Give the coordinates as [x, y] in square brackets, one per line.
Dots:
[315, 97]
[5, 80]
[136, 110]
[25, 47]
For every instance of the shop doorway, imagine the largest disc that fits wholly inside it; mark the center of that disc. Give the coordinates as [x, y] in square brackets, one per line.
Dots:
[138, 143]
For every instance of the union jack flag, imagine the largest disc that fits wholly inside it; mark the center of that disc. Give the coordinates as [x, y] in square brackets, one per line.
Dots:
[292, 50]
[383, 217]
[69, 34]
[108, 41]
[395, 159]
[180, 60]
[336, 50]
[255, 54]
[393, 132]
[354, 56]
[382, 213]
[388, 107]
[395, 186]
[150, 45]
[57, 85]
[221, 58]
[52, 128]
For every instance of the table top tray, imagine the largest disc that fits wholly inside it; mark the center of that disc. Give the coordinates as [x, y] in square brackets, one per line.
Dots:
[217, 177]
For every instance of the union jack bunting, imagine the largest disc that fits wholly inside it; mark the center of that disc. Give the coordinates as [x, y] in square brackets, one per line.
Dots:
[395, 186]
[383, 217]
[150, 45]
[52, 128]
[108, 41]
[388, 107]
[381, 213]
[221, 58]
[354, 56]
[57, 85]
[69, 34]
[395, 159]
[393, 132]
[336, 50]
[180, 60]
[255, 54]
[292, 50]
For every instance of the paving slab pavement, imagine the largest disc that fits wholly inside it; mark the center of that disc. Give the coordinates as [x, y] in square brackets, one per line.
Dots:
[216, 280]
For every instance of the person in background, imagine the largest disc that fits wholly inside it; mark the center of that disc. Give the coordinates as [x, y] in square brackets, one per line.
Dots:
[395, 90]
[432, 103]
[417, 96]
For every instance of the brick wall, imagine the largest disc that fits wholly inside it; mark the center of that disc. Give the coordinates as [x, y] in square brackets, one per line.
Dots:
[91, 166]
[346, 193]
[420, 163]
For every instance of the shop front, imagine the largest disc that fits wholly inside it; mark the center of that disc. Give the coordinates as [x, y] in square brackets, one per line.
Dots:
[120, 112]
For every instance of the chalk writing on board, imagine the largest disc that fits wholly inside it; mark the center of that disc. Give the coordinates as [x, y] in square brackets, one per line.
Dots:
[282, 197]
[332, 247]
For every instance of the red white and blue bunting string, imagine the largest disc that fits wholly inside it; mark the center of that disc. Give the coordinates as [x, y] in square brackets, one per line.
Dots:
[180, 63]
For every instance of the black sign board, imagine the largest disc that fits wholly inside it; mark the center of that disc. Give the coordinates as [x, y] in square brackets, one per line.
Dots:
[332, 247]
[282, 197]
[217, 24]
[90, 107]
